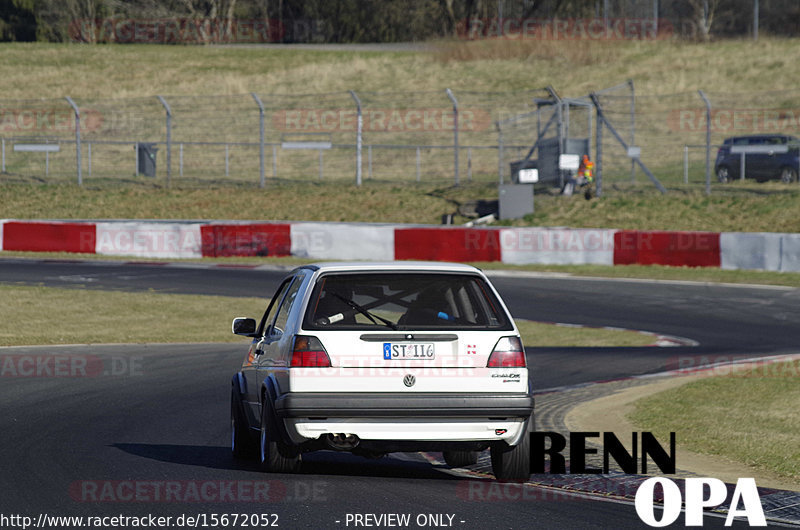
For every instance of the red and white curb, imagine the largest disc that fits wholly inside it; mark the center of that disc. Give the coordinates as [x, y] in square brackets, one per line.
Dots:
[387, 242]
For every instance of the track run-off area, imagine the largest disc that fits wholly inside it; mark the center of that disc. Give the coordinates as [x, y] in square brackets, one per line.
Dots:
[146, 431]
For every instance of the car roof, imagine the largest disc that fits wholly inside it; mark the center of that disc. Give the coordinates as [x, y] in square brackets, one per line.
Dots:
[762, 135]
[385, 266]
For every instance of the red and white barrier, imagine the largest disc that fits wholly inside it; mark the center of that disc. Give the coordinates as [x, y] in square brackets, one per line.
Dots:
[680, 249]
[557, 246]
[340, 241]
[365, 241]
[246, 239]
[48, 236]
[446, 243]
[148, 240]
[762, 251]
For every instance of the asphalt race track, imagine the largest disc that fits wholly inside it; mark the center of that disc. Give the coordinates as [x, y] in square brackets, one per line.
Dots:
[146, 432]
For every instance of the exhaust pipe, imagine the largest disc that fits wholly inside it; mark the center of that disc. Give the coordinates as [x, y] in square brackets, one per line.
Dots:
[341, 441]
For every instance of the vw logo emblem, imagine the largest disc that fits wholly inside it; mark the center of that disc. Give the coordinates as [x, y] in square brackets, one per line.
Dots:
[409, 380]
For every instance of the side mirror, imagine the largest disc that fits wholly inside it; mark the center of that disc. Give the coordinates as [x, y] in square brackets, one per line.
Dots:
[244, 326]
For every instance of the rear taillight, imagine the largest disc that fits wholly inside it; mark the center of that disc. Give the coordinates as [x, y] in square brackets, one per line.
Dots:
[308, 352]
[507, 353]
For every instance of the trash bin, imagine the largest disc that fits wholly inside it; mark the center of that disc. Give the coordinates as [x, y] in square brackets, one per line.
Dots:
[146, 157]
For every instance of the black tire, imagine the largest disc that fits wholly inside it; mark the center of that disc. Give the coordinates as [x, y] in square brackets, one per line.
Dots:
[723, 174]
[788, 175]
[512, 463]
[460, 458]
[275, 456]
[243, 444]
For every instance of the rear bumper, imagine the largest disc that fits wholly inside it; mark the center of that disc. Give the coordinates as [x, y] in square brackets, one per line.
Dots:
[403, 405]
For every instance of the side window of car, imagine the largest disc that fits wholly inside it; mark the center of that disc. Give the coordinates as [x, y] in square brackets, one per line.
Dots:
[279, 326]
[269, 314]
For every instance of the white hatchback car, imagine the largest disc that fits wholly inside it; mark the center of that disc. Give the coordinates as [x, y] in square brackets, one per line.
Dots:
[380, 357]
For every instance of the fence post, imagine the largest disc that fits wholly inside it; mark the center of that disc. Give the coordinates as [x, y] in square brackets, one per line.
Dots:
[708, 141]
[359, 136]
[500, 150]
[601, 117]
[455, 131]
[741, 166]
[599, 153]
[561, 133]
[77, 138]
[469, 164]
[686, 164]
[755, 20]
[227, 160]
[169, 138]
[633, 127]
[262, 178]
[418, 165]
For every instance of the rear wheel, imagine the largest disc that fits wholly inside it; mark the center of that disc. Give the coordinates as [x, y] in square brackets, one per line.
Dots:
[242, 442]
[460, 458]
[275, 456]
[512, 463]
[788, 175]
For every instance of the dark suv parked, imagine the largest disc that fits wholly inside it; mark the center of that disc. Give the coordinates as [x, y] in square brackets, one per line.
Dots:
[768, 156]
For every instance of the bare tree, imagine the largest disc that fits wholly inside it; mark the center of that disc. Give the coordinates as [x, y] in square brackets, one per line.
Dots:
[214, 10]
[703, 12]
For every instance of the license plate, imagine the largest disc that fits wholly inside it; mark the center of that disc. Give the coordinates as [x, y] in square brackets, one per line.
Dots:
[408, 351]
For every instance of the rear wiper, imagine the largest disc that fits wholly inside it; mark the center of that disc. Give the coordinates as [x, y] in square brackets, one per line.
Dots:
[366, 312]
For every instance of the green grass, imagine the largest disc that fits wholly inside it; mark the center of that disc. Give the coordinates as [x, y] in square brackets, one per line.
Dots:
[772, 209]
[85, 316]
[90, 317]
[120, 83]
[751, 416]
[545, 334]
[33, 70]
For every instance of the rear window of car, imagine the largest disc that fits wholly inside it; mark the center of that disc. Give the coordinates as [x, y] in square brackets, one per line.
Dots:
[404, 301]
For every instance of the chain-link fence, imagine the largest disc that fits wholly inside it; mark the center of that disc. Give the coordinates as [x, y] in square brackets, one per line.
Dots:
[679, 135]
[452, 137]
[256, 138]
